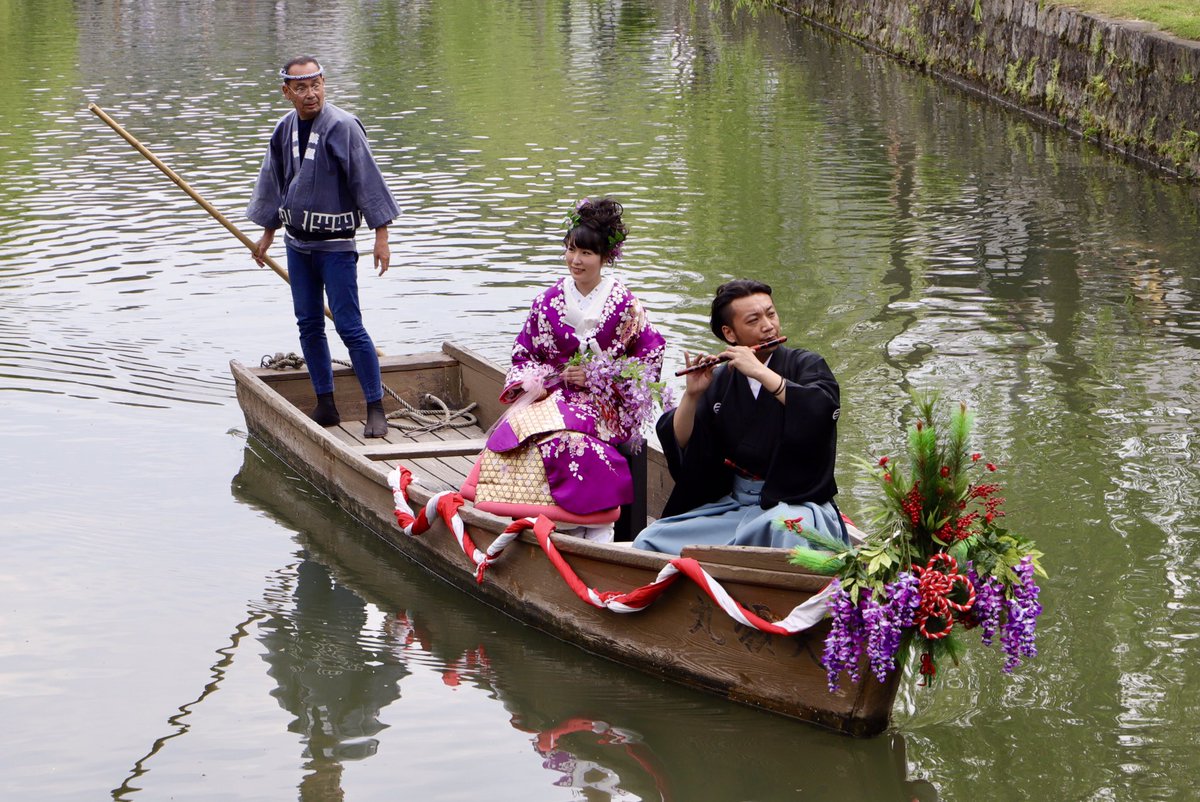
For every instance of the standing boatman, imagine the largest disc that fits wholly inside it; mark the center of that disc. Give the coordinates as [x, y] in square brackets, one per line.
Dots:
[318, 182]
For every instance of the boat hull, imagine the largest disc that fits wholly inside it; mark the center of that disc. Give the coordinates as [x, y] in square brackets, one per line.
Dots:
[683, 637]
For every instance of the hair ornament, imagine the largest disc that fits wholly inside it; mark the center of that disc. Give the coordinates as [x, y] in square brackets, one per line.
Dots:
[615, 235]
[573, 219]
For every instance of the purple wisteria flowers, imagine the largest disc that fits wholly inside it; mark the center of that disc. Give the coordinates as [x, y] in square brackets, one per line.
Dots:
[876, 627]
[1020, 620]
[844, 644]
[989, 604]
[624, 394]
[872, 625]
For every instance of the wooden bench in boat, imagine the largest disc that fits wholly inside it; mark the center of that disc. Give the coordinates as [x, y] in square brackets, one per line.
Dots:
[420, 450]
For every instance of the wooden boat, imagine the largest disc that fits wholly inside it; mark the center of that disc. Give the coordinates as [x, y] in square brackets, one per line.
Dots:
[683, 637]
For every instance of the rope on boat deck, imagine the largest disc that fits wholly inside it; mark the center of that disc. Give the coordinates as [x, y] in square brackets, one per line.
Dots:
[409, 419]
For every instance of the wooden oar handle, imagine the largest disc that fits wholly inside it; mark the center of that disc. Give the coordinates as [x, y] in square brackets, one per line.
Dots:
[171, 174]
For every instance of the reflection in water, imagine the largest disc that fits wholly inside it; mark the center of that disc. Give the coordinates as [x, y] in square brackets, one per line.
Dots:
[179, 723]
[606, 731]
[333, 675]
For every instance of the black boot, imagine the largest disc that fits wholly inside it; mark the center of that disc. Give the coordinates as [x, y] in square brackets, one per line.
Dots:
[325, 413]
[377, 425]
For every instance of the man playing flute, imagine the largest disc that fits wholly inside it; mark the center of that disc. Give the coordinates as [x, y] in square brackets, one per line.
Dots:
[754, 437]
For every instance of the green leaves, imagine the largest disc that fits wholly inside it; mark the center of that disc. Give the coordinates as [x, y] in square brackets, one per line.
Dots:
[816, 561]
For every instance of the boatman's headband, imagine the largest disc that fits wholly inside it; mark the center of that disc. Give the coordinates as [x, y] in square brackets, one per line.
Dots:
[286, 77]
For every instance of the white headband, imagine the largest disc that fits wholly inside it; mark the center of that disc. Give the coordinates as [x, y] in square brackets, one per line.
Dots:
[286, 77]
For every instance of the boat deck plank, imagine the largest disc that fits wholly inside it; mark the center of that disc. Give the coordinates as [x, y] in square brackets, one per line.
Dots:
[434, 467]
[435, 473]
[458, 462]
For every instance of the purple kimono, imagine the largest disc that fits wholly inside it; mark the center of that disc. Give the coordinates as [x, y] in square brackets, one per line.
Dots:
[561, 450]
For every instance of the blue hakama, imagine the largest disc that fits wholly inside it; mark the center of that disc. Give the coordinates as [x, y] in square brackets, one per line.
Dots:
[738, 520]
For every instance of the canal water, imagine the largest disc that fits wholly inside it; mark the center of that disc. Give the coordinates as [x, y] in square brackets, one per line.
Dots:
[182, 618]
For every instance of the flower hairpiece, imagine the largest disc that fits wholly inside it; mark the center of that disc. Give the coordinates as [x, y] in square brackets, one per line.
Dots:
[615, 236]
[573, 219]
[614, 244]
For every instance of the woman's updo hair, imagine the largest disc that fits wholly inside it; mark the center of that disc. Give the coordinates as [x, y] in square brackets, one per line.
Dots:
[595, 225]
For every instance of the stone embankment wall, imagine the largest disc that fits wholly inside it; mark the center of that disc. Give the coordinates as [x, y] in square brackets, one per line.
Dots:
[1123, 84]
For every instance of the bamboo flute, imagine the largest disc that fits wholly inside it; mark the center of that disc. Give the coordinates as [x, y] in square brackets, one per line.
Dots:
[708, 363]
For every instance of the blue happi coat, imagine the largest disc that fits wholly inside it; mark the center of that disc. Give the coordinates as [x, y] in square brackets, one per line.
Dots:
[322, 195]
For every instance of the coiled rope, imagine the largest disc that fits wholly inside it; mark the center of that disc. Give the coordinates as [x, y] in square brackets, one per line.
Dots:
[436, 415]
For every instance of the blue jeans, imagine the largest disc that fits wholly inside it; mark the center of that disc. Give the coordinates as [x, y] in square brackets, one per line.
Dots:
[314, 275]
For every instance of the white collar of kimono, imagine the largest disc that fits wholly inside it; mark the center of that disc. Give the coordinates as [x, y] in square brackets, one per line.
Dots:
[755, 384]
[584, 311]
[286, 76]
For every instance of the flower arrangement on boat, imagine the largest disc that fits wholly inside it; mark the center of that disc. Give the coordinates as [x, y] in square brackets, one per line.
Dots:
[939, 560]
[623, 393]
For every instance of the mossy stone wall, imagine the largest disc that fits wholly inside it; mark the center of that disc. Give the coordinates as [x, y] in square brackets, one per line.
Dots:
[1126, 85]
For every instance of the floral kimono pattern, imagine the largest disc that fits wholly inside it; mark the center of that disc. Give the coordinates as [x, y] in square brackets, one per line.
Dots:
[565, 434]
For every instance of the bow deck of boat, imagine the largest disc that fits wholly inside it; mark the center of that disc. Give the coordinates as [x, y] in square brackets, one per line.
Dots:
[440, 460]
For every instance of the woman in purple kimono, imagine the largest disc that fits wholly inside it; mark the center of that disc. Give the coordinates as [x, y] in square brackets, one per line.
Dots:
[555, 451]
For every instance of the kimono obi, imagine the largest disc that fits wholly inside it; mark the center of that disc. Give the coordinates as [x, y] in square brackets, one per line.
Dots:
[551, 414]
[545, 455]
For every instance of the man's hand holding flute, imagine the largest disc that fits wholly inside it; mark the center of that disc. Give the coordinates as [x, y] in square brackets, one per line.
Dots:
[745, 359]
[699, 362]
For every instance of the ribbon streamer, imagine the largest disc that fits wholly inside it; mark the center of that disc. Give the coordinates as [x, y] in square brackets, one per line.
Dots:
[445, 505]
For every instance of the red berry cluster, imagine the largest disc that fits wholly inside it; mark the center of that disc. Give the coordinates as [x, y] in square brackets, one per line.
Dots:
[991, 502]
[912, 505]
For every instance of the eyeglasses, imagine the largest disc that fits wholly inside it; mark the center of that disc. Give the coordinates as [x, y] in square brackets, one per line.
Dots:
[304, 90]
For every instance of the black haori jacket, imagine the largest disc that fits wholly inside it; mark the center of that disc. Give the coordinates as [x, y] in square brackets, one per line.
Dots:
[792, 447]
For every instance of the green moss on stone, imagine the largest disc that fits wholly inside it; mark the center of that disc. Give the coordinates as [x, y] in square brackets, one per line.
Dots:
[1053, 90]
[1183, 146]
[1011, 71]
[1098, 88]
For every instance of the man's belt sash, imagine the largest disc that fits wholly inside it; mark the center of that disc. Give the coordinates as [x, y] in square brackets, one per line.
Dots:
[318, 236]
[318, 226]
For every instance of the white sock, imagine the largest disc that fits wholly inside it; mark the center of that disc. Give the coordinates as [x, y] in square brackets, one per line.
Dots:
[599, 534]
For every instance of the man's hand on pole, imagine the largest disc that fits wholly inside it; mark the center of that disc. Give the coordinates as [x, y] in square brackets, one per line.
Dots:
[262, 246]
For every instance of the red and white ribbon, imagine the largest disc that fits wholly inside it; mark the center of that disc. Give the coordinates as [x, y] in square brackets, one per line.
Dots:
[447, 503]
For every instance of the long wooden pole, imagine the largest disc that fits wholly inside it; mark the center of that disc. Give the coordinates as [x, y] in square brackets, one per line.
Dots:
[171, 174]
[208, 207]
